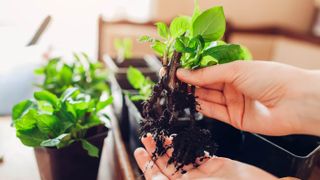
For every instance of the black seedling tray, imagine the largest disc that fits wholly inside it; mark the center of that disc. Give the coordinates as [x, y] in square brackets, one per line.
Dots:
[295, 155]
[119, 87]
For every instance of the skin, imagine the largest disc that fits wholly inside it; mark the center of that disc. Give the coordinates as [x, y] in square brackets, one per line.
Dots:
[260, 97]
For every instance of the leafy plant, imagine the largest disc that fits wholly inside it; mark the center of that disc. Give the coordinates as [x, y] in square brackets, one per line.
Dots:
[123, 48]
[139, 82]
[197, 38]
[49, 121]
[189, 42]
[89, 77]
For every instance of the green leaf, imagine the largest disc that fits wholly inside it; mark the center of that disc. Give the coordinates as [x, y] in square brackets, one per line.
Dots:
[159, 48]
[162, 30]
[49, 124]
[31, 137]
[136, 98]
[39, 71]
[211, 24]
[179, 26]
[196, 11]
[55, 141]
[146, 39]
[66, 75]
[92, 150]
[208, 61]
[27, 121]
[102, 104]
[179, 46]
[227, 53]
[47, 96]
[44, 107]
[72, 91]
[19, 109]
[135, 77]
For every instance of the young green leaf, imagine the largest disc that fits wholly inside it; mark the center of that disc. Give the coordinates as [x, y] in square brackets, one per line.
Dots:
[31, 137]
[146, 39]
[27, 121]
[211, 24]
[48, 124]
[162, 30]
[19, 109]
[47, 96]
[179, 26]
[227, 53]
[93, 151]
[196, 11]
[135, 77]
[208, 61]
[159, 48]
[102, 104]
[55, 141]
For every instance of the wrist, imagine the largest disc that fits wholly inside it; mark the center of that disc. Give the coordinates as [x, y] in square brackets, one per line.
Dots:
[309, 114]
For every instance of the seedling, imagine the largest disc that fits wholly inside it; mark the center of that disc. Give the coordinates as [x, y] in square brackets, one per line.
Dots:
[192, 43]
[49, 121]
[88, 76]
[123, 48]
[139, 82]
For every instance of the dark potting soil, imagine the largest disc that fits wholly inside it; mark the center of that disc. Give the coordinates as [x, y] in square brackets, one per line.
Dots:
[170, 101]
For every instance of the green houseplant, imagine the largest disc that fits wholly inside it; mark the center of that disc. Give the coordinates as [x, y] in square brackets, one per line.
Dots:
[66, 122]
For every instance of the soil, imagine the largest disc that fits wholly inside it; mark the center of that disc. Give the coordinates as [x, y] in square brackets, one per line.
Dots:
[171, 101]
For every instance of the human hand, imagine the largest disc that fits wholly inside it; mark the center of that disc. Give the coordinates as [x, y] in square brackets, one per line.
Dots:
[261, 97]
[210, 168]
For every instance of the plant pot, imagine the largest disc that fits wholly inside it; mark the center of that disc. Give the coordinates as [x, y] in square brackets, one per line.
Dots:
[295, 155]
[149, 62]
[119, 86]
[72, 162]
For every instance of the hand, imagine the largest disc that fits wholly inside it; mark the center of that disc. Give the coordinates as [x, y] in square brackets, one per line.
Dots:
[211, 168]
[261, 97]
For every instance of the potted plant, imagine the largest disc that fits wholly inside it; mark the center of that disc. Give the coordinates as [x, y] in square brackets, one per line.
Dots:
[125, 59]
[65, 122]
[67, 132]
[120, 86]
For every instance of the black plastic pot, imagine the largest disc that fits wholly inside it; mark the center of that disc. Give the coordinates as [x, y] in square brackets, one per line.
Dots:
[72, 162]
[295, 155]
[119, 87]
[149, 62]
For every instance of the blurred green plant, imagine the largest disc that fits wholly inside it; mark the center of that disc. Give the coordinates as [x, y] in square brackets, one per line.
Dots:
[49, 121]
[123, 48]
[139, 82]
[88, 76]
[198, 39]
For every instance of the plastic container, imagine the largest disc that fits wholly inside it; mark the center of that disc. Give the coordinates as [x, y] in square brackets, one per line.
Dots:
[72, 162]
[295, 155]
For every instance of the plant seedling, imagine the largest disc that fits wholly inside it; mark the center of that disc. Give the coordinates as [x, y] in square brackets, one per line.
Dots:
[123, 48]
[49, 121]
[88, 76]
[189, 42]
[139, 82]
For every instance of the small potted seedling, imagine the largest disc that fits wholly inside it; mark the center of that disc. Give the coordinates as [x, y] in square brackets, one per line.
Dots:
[120, 86]
[134, 99]
[67, 132]
[125, 58]
[66, 116]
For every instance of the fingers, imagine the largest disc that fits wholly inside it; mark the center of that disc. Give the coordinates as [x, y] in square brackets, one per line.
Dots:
[223, 73]
[210, 95]
[214, 110]
[147, 166]
[161, 161]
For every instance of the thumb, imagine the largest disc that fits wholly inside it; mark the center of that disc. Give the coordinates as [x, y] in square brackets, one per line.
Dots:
[222, 73]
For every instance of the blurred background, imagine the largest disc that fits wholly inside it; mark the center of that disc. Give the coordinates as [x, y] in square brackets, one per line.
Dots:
[286, 31]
